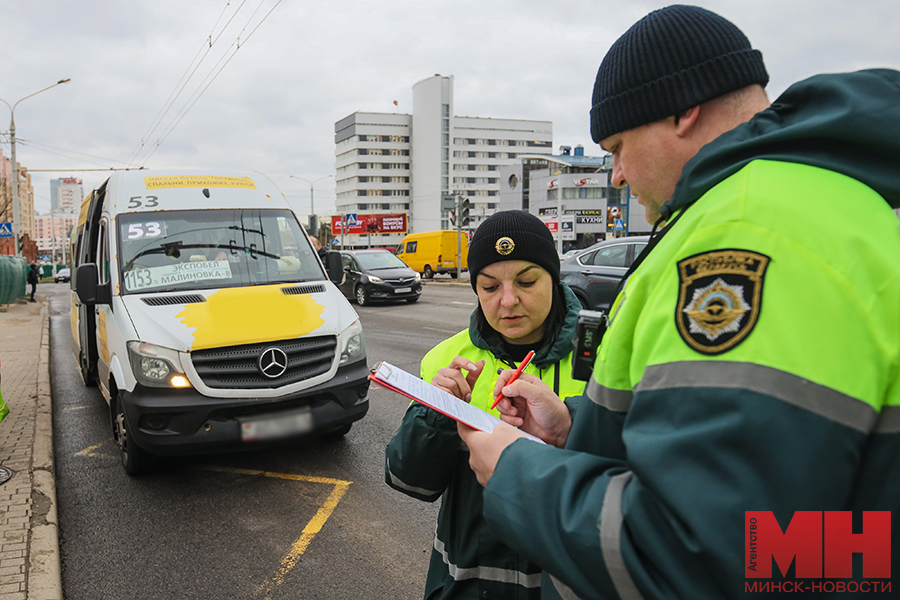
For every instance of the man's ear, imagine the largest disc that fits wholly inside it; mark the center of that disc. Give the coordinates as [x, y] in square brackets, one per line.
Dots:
[686, 121]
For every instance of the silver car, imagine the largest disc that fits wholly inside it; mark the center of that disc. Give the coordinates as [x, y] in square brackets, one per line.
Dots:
[594, 273]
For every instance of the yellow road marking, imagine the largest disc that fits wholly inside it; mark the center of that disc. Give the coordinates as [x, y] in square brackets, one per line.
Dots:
[309, 532]
[89, 451]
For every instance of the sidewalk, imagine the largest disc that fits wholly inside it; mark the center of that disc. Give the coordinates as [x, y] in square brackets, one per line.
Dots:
[29, 546]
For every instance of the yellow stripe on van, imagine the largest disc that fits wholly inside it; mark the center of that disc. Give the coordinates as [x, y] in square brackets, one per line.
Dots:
[249, 315]
[176, 181]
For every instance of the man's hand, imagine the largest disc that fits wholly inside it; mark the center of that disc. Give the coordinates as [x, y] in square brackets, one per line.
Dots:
[485, 448]
[528, 403]
[451, 378]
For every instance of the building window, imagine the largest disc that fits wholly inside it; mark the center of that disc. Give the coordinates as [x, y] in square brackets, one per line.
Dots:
[470, 141]
[362, 207]
[445, 110]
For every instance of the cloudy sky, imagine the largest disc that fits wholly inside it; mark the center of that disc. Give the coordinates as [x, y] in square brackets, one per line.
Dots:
[269, 102]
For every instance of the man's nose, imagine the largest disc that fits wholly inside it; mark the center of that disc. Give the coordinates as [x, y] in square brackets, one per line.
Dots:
[618, 175]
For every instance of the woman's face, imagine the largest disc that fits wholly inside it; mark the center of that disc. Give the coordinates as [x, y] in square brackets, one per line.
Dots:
[516, 297]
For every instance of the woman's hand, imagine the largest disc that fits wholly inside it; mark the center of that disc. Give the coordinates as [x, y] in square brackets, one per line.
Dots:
[452, 380]
[529, 404]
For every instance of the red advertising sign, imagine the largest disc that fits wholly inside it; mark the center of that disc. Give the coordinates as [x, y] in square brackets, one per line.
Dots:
[357, 224]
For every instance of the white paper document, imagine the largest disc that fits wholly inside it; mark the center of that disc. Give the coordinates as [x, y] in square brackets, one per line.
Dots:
[436, 398]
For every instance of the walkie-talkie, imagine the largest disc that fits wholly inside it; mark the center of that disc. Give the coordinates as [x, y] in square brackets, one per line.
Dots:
[588, 334]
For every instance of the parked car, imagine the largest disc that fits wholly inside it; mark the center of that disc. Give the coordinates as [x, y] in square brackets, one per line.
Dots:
[373, 275]
[594, 274]
[62, 276]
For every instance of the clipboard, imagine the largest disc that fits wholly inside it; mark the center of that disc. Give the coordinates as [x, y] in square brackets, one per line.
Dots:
[397, 380]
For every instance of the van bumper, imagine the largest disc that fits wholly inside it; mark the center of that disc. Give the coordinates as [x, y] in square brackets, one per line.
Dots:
[176, 422]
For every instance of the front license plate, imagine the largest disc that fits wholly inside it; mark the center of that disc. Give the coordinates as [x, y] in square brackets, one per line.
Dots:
[275, 426]
[402, 290]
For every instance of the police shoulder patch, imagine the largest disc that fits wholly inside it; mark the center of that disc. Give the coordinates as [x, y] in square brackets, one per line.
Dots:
[719, 299]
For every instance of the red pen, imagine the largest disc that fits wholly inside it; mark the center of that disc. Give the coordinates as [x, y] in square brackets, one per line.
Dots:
[515, 376]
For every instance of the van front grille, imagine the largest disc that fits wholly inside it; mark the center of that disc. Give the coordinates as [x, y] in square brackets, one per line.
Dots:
[303, 289]
[242, 367]
[169, 300]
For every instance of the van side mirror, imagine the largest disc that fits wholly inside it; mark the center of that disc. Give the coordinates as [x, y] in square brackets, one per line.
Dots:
[86, 285]
[334, 267]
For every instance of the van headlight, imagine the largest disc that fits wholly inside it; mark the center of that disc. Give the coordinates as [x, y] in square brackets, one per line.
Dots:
[155, 366]
[374, 279]
[418, 277]
[352, 344]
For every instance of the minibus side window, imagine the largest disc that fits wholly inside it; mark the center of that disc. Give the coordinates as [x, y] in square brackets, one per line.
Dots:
[103, 255]
[411, 247]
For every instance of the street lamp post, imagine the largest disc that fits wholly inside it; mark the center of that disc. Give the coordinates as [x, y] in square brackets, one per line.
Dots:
[15, 164]
[313, 220]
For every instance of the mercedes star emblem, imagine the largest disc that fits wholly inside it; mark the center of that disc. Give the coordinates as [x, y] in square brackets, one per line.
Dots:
[272, 362]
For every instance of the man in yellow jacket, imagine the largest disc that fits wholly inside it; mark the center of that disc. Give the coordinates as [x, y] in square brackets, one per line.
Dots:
[750, 374]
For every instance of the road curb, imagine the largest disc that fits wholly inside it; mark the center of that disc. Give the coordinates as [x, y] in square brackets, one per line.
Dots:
[44, 573]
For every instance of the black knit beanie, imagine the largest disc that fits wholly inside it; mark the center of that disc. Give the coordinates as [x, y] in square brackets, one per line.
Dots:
[673, 59]
[512, 235]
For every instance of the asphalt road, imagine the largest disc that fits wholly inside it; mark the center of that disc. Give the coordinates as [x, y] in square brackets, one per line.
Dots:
[311, 520]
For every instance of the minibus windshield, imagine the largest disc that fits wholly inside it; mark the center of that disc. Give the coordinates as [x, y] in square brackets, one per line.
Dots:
[201, 249]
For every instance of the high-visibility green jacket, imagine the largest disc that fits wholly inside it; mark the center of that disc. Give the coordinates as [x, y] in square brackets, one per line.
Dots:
[752, 364]
[427, 460]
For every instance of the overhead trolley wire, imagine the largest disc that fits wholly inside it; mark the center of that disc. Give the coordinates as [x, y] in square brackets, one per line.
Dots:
[214, 73]
[207, 44]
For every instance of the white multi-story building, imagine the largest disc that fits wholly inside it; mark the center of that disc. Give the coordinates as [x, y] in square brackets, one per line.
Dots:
[66, 194]
[407, 163]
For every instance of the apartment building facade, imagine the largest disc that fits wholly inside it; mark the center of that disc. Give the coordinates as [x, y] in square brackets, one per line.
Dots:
[52, 234]
[26, 196]
[66, 194]
[388, 162]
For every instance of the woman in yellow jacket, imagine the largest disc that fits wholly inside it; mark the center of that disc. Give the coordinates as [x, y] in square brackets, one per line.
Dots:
[522, 306]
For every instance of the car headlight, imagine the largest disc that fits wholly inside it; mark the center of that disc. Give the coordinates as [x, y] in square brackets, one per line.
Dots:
[352, 344]
[418, 277]
[373, 279]
[155, 366]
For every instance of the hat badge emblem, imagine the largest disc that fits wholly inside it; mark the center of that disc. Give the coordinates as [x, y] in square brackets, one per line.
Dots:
[505, 246]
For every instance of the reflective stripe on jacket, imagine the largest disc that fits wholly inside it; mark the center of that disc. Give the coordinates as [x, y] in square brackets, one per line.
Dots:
[801, 413]
[426, 460]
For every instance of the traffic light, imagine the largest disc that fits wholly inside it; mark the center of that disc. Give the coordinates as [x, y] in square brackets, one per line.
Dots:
[452, 218]
[21, 243]
[464, 212]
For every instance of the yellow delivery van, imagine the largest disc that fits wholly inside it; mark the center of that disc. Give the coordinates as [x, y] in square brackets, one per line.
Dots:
[433, 252]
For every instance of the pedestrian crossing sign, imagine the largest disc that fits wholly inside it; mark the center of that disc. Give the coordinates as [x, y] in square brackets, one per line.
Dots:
[620, 224]
[5, 230]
